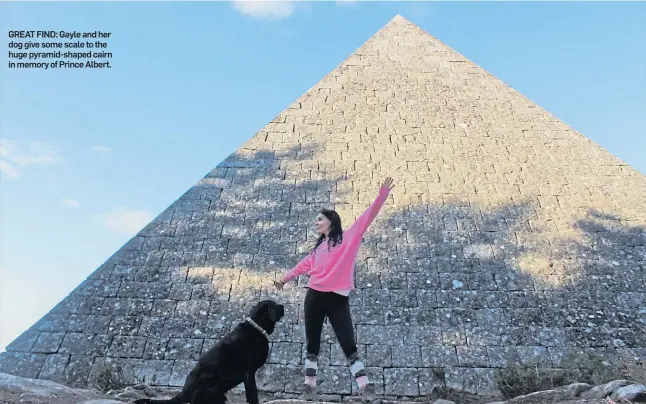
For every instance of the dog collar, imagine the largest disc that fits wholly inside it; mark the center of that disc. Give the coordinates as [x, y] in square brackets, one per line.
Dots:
[257, 327]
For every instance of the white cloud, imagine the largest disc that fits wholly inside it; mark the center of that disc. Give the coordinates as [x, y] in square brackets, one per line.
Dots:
[71, 203]
[101, 149]
[38, 153]
[9, 169]
[12, 158]
[126, 220]
[419, 11]
[265, 9]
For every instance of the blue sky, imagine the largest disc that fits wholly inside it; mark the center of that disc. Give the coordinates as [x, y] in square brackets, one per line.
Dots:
[89, 157]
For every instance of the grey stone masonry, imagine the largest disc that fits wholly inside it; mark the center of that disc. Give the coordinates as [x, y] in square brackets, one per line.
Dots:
[509, 237]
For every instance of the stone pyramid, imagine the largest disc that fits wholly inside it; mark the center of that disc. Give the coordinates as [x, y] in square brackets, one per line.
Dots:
[509, 238]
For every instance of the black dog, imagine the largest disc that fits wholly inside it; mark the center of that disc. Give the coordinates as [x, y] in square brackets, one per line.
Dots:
[233, 360]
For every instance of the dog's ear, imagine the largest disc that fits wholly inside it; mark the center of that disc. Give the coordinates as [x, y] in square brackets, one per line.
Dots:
[276, 311]
[273, 315]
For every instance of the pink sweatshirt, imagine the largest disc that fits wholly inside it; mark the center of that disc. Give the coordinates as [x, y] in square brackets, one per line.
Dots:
[334, 270]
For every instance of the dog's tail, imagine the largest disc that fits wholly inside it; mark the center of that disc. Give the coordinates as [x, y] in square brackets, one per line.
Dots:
[178, 399]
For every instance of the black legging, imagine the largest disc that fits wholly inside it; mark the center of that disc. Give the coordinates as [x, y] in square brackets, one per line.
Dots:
[337, 309]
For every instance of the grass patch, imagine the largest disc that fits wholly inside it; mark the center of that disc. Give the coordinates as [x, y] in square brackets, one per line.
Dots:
[108, 377]
[517, 380]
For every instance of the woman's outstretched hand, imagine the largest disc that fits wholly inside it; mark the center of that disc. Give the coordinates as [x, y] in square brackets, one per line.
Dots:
[388, 183]
[279, 285]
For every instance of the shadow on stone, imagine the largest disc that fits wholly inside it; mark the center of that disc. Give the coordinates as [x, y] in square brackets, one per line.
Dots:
[473, 290]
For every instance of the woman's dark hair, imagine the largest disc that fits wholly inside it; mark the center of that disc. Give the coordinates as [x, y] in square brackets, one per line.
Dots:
[335, 236]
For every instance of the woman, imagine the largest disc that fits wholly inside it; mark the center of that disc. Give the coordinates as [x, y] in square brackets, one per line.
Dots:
[330, 266]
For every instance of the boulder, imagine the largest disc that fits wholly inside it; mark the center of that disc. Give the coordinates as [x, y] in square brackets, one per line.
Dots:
[604, 390]
[41, 388]
[577, 389]
[540, 397]
[633, 392]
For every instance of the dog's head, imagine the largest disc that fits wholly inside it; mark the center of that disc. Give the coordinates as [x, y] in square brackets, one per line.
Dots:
[266, 314]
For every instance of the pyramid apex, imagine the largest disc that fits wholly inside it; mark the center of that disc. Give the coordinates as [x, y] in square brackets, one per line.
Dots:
[398, 18]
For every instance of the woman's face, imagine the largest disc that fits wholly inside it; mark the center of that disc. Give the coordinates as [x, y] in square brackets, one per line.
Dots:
[322, 224]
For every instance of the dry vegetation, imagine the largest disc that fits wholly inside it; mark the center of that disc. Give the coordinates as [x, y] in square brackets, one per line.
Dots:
[108, 377]
[593, 369]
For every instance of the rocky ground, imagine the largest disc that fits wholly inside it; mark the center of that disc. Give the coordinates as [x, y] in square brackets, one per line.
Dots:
[18, 390]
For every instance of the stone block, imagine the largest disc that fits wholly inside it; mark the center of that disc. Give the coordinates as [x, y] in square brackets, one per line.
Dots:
[179, 327]
[84, 344]
[54, 367]
[61, 323]
[23, 342]
[271, 378]
[183, 348]
[285, 353]
[155, 348]
[439, 356]
[48, 342]
[406, 356]
[22, 364]
[124, 325]
[77, 371]
[401, 381]
[127, 347]
[472, 356]
[180, 370]
[431, 380]
[379, 356]
[334, 380]
[192, 308]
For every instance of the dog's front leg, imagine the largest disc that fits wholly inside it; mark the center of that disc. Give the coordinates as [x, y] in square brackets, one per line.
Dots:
[250, 389]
